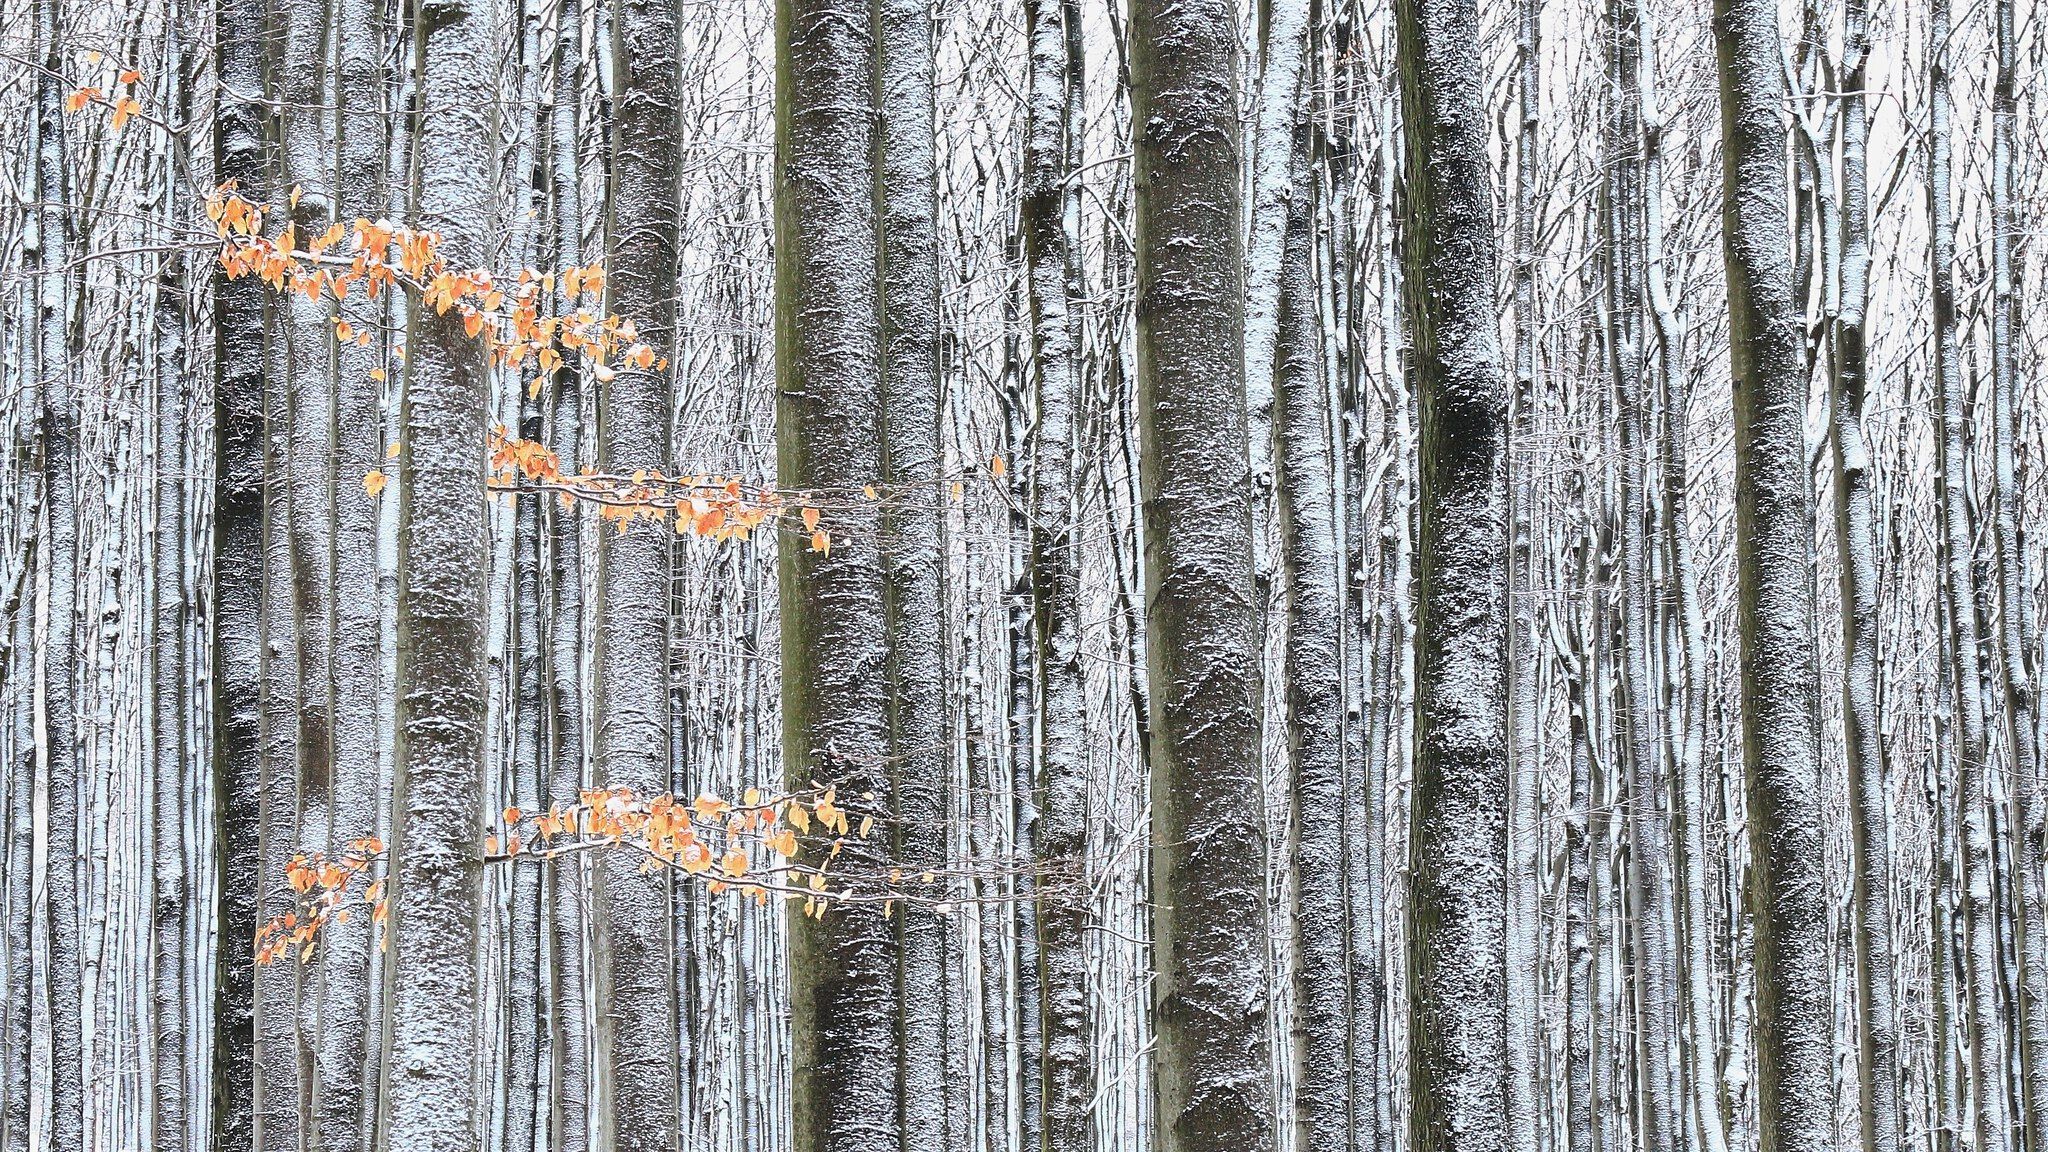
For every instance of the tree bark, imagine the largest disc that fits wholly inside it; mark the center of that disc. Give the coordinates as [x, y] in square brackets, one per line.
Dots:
[2015, 639]
[1049, 217]
[636, 1004]
[1774, 528]
[1213, 1061]
[843, 964]
[241, 316]
[1982, 1029]
[1456, 936]
[907, 211]
[1304, 453]
[47, 256]
[434, 1101]
[1870, 826]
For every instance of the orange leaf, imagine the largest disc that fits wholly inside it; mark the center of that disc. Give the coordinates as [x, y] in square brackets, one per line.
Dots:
[374, 480]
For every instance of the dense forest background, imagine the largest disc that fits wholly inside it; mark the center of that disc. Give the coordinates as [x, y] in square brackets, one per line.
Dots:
[1350, 575]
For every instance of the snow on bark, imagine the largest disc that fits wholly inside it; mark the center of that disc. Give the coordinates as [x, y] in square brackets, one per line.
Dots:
[636, 1003]
[835, 713]
[907, 209]
[1210, 956]
[1774, 540]
[1456, 934]
[433, 1102]
[1059, 779]
[1304, 452]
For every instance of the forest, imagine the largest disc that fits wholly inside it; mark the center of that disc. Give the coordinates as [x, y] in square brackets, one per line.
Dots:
[1023, 576]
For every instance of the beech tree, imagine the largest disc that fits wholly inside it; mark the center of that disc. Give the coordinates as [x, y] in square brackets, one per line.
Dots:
[1019, 577]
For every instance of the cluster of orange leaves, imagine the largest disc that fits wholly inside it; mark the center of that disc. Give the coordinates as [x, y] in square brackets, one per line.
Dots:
[510, 316]
[117, 96]
[319, 882]
[753, 847]
[718, 507]
[519, 332]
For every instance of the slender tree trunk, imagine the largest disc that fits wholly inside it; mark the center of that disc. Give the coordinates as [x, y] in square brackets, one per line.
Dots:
[1304, 452]
[241, 316]
[1582, 1013]
[2016, 644]
[1648, 855]
[1982, 1028]
[346, 1053]
[434, 1099]
[636, 1023]
[907, 209]
[843, 964]
[1208, 852]
[1774, 527]
[1283, 59]
[1525, 823]
[306, 532]
[567, 899]
[1060, 785]
[1687, 666]
[1870, 838]
[54, 281]
[171, 864]
[1457, 931]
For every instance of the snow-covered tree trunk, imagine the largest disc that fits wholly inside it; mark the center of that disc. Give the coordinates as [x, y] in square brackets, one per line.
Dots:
[569, 1094]
[347, 1055]
[2016, 639]
[174, 1020]
[48, 257]
[1048, 215]
[1210, 956]
[1304, 454]
[1525, 815]
[241, 312]
[907, 210]
[1458, 851]
[1774, 531]
[636, 1003]
[1641, 725]
[434, 1101]
[1870, 840]
[1982, 1030]
[835, 713]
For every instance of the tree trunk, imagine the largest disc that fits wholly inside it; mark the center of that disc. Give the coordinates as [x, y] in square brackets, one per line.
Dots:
[1210, 960]
[636, 1004]
[434, 1102]
[47, 255]
[1304, 452]
[1870, 838]
[1774, 529]
[241, 316]
[843, 964]
[907, 210]
[2015, 640]
[346, 1057]
[568, 878]
[1457, 932]
[1982, 1029]
[1049, 217]
[1642, 728]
